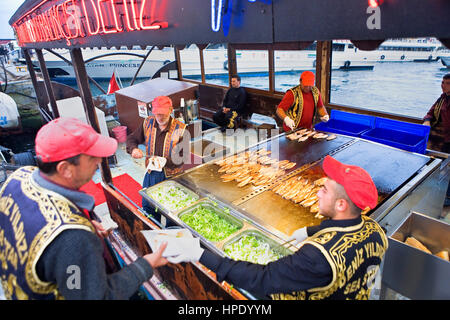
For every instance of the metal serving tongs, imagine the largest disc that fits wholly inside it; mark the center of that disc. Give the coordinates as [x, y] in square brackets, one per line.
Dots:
[288, 242]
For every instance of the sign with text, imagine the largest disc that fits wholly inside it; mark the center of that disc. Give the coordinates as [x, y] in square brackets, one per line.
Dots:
[71, 19]
[142, 109]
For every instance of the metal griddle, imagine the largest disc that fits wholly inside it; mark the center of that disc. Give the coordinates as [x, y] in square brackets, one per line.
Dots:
[388, 167]
[206, 179]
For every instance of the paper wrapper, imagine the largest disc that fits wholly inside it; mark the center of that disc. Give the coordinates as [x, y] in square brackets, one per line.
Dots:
[178, 240]
[156, 163]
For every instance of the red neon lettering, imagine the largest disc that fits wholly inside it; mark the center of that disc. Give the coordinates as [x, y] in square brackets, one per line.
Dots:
[66, 20]
[45, 27]
[61, 22]
[38, 26]
[65, 35]
[107, 14]
[37, 29]
[86, 15]
[30, 31]
[127, 15]
[115, 16]
[150, 18]
[48, 25]
[55, 23]
[72, 20]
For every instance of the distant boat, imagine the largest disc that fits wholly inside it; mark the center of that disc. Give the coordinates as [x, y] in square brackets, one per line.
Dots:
[101, 63]
[405, 50]
[445, 61]
[345, 56]
[256, 61]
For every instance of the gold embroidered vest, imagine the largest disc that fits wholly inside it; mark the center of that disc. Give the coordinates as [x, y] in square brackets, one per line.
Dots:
[174, 134]
[437, 110]
[354, 254]
[30, 218]
[296, 110]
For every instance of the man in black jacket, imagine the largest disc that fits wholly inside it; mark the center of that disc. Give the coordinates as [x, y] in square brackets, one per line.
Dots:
[49, 245]
[233, 105]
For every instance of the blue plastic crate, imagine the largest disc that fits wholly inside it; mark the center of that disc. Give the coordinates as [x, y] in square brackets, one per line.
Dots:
[347, 123]
[403, 135]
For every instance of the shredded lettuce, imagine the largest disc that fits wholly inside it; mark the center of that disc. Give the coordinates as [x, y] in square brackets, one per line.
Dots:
[208, 223]
[250, 248]
[171, 197]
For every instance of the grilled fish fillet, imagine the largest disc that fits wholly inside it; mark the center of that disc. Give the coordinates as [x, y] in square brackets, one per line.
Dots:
[331, 137]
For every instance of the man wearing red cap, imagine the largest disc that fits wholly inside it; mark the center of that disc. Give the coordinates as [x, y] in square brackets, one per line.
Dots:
[338, 259]
[300, 104]
[49, 246]
[162, 136]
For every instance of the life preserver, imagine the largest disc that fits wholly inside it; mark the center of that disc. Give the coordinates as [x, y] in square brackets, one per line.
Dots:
[402, 57]
[347, 64]
[382, 57]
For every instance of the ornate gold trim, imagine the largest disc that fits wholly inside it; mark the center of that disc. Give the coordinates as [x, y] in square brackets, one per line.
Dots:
[57, 210]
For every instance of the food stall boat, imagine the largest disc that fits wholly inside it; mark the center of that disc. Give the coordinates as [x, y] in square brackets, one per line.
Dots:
[406, 181]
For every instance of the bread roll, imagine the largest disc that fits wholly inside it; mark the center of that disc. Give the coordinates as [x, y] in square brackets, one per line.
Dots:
[443, 254]
[417, 244]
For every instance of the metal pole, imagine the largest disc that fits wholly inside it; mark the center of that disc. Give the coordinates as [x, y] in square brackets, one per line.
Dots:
[202, 64]
[271, 70]
[70, 64]
[232, 64]
[178, 60]
[48, 83]
[88, 103]
[30, 66]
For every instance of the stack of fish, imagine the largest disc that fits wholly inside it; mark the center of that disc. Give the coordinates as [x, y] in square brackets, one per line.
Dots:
[304, 134]
[303, 191]
[254, 167]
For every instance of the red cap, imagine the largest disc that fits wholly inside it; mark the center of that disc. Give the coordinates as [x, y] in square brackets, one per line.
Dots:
[64, 138]
[307, 78]
[161, 105]
[356, 181]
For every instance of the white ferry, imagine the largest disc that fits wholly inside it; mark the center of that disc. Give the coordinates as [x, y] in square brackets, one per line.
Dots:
[101, 63]
[405, 50]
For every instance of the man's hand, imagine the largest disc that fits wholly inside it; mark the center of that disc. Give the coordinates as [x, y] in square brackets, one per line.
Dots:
[289, 123]
[137, 153]
[299, 235]
[426, 123]
[325, 118]
[225, 110]
[191, 254]
[156, 259]
[100, 230]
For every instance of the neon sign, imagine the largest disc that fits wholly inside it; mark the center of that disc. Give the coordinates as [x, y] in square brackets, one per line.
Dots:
[72, 19]
[222, 14]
